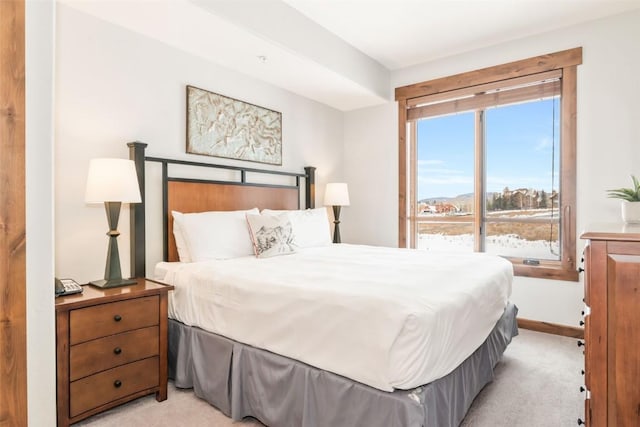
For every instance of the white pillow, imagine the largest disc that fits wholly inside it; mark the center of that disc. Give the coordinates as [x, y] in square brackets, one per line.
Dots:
[217, 234]
[310, 227]
[181, 244]
[271, 235]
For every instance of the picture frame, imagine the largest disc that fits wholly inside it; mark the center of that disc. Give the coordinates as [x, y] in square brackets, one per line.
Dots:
[221, 126]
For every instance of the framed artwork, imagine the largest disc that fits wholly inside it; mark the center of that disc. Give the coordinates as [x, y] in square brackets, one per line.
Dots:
[225, 127]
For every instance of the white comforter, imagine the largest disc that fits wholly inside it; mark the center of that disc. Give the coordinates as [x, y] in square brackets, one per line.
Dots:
[389, 318]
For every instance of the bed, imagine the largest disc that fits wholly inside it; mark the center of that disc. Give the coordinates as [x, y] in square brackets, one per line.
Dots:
[344, 337]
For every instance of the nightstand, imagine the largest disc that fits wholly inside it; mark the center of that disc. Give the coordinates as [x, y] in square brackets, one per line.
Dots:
[111, 347]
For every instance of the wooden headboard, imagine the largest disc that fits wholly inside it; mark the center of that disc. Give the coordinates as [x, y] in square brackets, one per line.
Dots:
[197, 196]
[200, 195]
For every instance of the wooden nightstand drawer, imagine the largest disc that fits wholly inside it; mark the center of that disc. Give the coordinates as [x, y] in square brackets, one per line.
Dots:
[107, 386]
[104, 353]
[108, 319]
[111, 347]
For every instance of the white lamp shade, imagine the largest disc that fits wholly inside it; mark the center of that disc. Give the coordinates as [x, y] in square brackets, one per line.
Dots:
[336, 194]
[112, 180]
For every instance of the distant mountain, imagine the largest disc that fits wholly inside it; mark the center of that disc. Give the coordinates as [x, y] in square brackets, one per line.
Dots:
[431, 200]
[460, 199]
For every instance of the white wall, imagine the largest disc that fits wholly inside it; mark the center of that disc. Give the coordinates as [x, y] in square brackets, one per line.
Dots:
[41, 357]
[608, 144]
[371, 171]
[114, 86]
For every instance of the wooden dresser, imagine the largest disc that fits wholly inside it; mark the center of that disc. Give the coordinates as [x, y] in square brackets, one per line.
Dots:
[612, 325]
[111, 348]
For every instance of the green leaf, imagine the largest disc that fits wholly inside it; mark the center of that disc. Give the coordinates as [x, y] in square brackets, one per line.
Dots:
[628, 194]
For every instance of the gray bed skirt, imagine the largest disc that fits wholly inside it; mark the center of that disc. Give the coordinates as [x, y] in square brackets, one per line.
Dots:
[242, 381]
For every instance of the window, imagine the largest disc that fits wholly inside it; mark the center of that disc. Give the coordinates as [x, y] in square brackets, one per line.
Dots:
[487, 163]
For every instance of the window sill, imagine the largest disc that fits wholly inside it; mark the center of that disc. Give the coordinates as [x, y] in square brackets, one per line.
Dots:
[554, 272]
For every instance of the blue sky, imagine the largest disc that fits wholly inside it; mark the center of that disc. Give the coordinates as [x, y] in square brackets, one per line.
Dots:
[518, 150]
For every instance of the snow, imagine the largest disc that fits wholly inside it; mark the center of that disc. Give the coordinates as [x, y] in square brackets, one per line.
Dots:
[507, 245]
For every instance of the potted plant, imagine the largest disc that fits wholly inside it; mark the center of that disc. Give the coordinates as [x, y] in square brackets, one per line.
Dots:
[630, 201]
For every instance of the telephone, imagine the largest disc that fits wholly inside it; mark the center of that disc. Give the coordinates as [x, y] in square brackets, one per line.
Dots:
[67, 287]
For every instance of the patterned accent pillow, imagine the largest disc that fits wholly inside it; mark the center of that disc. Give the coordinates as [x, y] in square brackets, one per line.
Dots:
[271, 235]
[310, 226]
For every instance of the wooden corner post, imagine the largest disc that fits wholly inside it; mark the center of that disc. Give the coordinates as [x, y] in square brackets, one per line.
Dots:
[136, 214]
[310, 187]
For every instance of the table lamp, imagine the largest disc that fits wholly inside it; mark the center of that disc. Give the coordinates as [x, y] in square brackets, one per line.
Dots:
[112, 181]
[336, 195]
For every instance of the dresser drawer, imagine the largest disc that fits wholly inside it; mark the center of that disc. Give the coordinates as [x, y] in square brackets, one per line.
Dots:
[587, 290]
[587, 352]
[104, 353]
[107, 319]
[107, 386]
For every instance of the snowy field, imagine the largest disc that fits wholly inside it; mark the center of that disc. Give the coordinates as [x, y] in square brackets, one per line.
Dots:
[507, 245]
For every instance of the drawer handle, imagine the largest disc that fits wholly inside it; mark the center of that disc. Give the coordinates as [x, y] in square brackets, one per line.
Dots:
[117, 318]
[117, 350]
[117, 383]
[580, 343]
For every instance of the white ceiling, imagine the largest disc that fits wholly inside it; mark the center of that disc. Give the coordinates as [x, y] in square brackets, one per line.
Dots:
[401, 33]
[340, 52]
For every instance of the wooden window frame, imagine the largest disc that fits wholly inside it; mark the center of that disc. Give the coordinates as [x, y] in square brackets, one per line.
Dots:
[410, 97]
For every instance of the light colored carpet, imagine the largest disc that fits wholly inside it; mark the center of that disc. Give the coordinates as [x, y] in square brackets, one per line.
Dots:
[537, 385]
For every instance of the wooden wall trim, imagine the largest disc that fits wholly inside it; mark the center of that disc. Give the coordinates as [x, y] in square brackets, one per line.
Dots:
[402, 174]
[568, 167]
[551, 328]
[13, 301]
[537, 64]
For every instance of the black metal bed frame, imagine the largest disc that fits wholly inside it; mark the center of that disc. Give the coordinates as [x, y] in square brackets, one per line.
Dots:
[137, 211]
